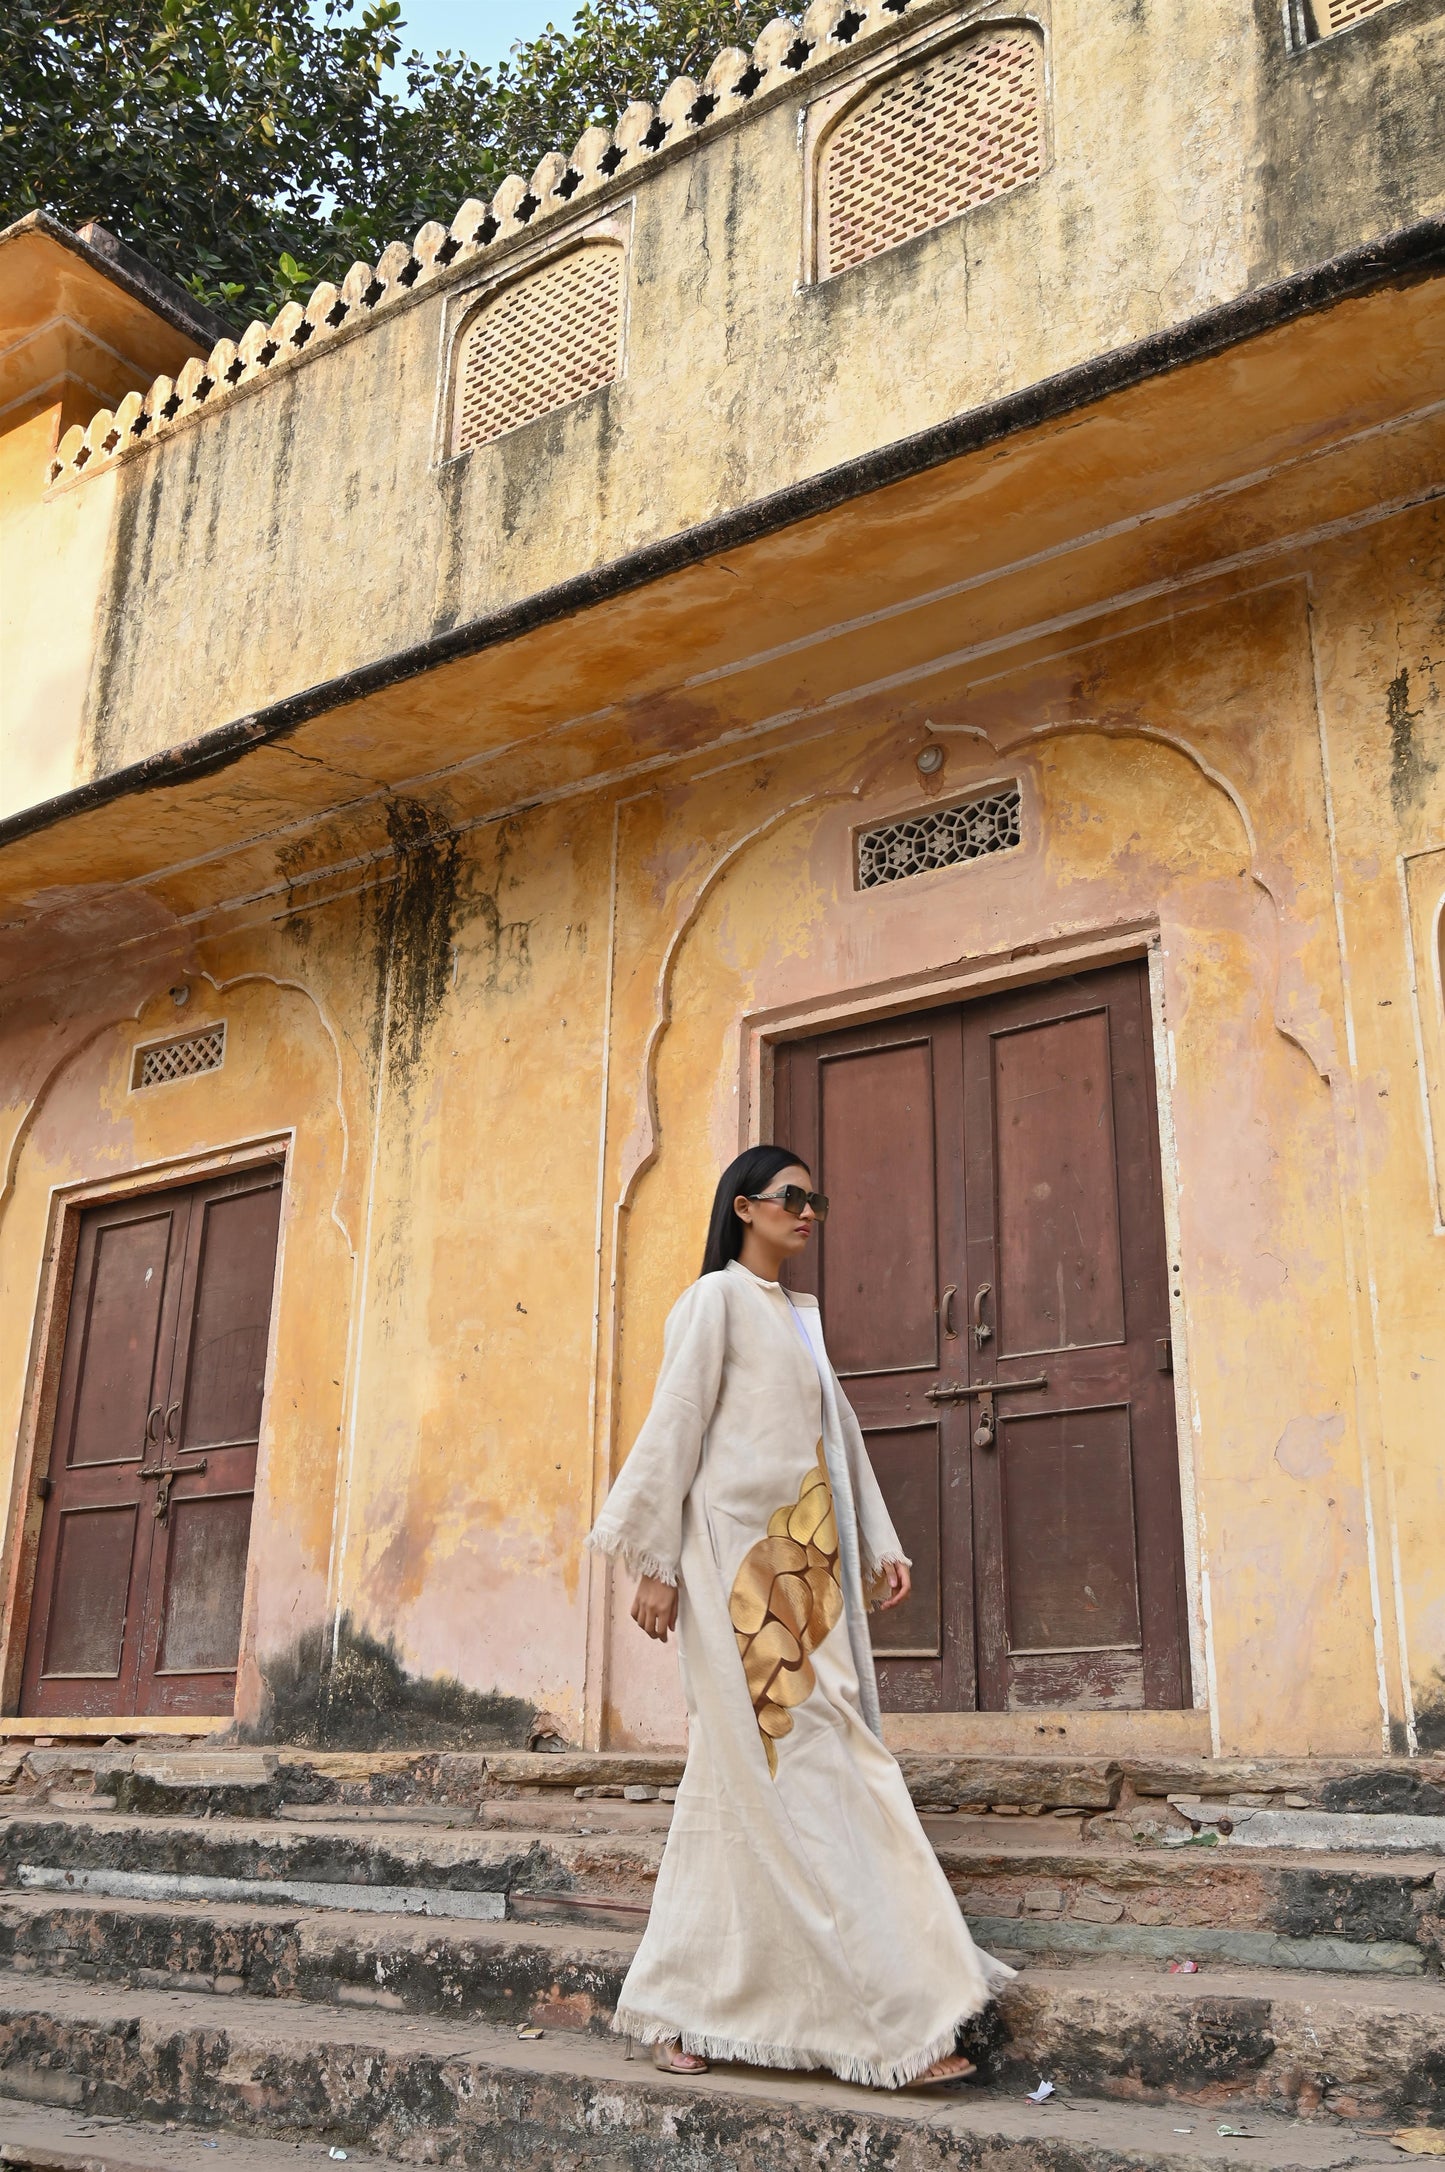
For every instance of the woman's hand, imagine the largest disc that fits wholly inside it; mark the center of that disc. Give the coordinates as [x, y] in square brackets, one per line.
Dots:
[655, 1607]
[900, 1583]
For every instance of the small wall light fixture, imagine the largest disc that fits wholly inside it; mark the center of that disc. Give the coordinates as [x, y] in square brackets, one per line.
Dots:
[929, 759]
[180, 995]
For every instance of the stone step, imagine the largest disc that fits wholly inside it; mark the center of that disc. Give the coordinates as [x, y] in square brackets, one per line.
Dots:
[161, 1778]
[1351, 2047]
[1334, 1912]
[34, 2139]
[1043, 1890]
[723, 2123]
[557, 1976]
[405, 1869]
[720, 2123]
[427, 2091]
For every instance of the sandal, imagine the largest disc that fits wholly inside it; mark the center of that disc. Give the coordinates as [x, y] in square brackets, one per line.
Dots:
[670, 2058]
[944, 2073]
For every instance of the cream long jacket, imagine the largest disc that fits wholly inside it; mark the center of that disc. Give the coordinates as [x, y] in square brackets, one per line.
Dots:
[800, 1916]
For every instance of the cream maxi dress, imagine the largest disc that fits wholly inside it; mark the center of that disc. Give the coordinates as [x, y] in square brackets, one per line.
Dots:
[801, 1918]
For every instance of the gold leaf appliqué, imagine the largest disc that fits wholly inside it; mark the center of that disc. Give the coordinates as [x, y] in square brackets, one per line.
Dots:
[785, 1599]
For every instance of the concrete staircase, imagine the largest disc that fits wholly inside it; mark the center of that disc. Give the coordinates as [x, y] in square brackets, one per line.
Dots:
[291, 1951]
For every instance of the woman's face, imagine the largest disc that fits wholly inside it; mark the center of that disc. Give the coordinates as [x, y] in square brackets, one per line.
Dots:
[786, 1233]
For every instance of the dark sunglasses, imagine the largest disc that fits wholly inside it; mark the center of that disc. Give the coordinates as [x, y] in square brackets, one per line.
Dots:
[792, 1199]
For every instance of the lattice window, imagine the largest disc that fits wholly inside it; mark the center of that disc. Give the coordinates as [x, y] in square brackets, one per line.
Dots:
[948, 134]
[541, 344]
[939, 837]
[181, 1058]
[1333, 15]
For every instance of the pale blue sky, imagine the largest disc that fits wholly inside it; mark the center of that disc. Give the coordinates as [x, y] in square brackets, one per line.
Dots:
[484, 28]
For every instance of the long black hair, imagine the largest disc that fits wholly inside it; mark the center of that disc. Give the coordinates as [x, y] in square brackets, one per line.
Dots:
[751, 1172]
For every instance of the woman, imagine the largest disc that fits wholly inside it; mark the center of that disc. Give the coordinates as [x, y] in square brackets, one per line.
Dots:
[801, 1918]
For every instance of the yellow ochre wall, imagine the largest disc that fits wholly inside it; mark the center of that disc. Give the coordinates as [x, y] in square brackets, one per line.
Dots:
[505, 1081]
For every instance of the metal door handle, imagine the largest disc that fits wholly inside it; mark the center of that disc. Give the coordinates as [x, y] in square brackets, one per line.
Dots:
[946, 1308]
[156, 1411]
[170, 1432]
[982, 1332]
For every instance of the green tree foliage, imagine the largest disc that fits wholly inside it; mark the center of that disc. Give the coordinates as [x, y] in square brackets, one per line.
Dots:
[251, 147]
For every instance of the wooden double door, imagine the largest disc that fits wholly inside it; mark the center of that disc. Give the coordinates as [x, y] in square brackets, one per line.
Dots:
[993, 1282]
[141, 1566]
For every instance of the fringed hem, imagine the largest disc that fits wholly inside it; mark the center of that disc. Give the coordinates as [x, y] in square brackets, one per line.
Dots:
[895, 2074]
[617, 1548]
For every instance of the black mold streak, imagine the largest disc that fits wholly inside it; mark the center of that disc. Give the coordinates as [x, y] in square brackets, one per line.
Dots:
[451, 488]
[363, 1698]
[414, 923]
[110, 634]
[1329, 1904]
[1411, 768]
[1387, 1791]
[1430, 1715]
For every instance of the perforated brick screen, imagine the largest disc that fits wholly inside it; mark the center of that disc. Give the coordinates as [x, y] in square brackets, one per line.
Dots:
[960, 127]
[541, 344]
[939, 837]
[1333, 15]
[180, 1058]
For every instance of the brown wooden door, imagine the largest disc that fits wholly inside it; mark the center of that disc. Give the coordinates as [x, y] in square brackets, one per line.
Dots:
[143, 1539]
[1029, 1456]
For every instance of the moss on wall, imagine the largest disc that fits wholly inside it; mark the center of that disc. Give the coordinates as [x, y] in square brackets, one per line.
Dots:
[353, 1692]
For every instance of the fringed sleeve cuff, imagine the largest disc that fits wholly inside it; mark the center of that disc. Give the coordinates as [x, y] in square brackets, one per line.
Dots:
[603, 1539]
[876, 1585]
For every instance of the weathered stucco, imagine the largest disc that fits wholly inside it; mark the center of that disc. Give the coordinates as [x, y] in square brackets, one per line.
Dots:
[503, 939]
[1192, 159]
[434, 1395]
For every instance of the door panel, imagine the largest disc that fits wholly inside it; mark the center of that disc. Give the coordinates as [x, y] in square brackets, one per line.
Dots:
[1059, 1276]
[992, 1278]
[225, 1366]
[213, 1422]
[94, 1551]
[95, 1530]
[882, 1214]
[205, 1581]
[875, 1108]
[1068, 1490]
[119, 1335]
[141, 1561]
[1080, 1583]
[909, 1462]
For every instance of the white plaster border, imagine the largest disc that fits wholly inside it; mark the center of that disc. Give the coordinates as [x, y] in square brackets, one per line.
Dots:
[1429, 918]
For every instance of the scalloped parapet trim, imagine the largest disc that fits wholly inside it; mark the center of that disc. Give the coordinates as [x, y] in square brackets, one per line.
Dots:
[785, 50]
